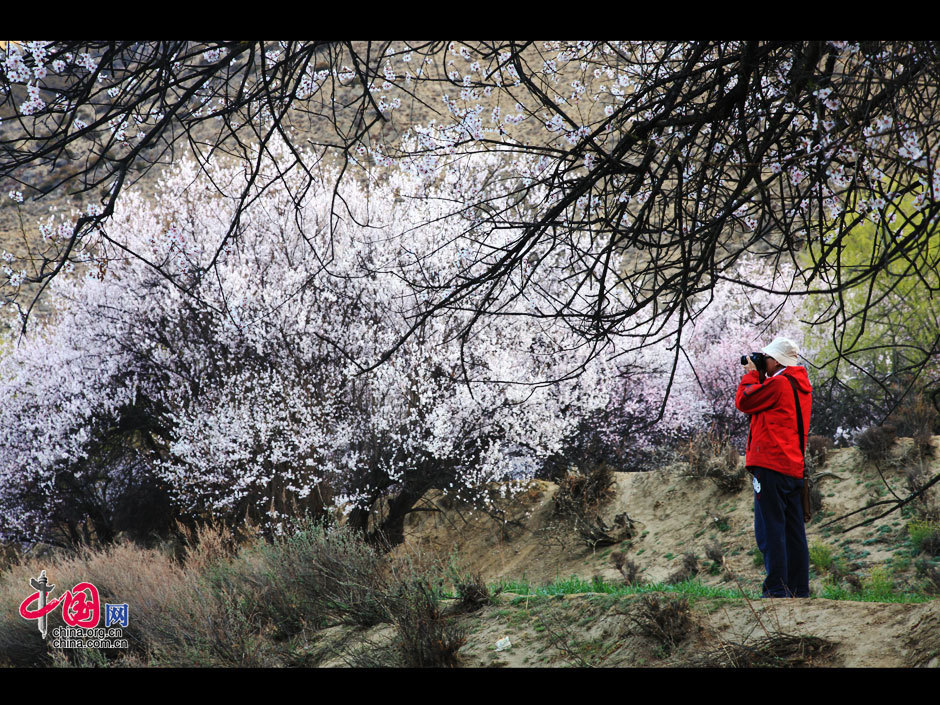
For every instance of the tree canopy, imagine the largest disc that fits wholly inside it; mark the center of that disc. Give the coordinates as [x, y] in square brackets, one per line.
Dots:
[652, 166]
[615, 206]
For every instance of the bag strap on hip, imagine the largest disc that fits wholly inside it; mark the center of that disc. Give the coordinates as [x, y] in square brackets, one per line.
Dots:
[804, 492]
[799, 415]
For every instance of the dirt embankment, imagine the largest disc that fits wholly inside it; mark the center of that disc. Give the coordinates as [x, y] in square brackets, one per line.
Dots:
[663, 518]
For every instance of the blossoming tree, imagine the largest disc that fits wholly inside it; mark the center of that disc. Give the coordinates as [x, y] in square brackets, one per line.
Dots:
[249, 392]
[256, 390]
[653, 165]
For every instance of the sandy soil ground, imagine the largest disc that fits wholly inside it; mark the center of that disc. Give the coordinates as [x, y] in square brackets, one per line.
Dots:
[673, 514]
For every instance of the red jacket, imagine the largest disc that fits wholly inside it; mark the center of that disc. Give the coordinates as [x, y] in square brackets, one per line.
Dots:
[773, 441]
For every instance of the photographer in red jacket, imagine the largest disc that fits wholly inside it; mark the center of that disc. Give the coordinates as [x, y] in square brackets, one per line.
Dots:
[768, 392]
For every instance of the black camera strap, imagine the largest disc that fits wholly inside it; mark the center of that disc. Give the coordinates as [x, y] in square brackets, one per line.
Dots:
[804, 492]
[799, 417]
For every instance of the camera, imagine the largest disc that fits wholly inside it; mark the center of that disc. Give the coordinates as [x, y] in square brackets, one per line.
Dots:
[760, 361]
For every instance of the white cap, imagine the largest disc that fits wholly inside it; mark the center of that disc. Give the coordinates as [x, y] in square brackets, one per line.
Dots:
[783, 350]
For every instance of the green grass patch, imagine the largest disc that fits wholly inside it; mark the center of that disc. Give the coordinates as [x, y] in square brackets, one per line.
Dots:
[578, 586]
[877, 588]
[831, 591]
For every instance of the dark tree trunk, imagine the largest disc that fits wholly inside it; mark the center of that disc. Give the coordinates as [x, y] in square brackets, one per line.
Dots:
[389, 530]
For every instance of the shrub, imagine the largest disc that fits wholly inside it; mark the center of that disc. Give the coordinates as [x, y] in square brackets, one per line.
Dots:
[876, 442]
[817, 448]
[627, 567]
[178, 616]
[472, 592]
[666, 619]
[820, 556]
[581, 495]
[687, 570]
[930, 574]
[854, 582]
[840, 412]
[9, 555]
[580, 498]
[810, 473]
[20, 643]
[221, 606]
[425, 636]
[714, 457]
[917, 476]
[775, 649]
[315, 576]
[880, 584]
[915, 418]
[183, 614]
[925, 535]
[815, 498]
[714, 553]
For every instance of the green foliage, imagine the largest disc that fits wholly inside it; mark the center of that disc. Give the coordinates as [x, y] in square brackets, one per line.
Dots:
[880, 584]
[879, 587]
[890, 320]
[925, 535]
[820, 556]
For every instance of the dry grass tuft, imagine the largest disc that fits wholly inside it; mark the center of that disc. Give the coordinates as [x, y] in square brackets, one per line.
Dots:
[425, 636]
[472, 593]
[581, 494]
[580, 498]
[712, 456]
[687, 570]
[875, 442]
[627, 567]
[774, 650]
[817, 448]
[917, 418]
[666, 619]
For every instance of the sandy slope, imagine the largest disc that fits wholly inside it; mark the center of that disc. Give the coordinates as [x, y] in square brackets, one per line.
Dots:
[673, 514]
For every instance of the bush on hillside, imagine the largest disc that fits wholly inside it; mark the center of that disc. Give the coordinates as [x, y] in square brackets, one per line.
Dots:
[876, 442]
[713, 456]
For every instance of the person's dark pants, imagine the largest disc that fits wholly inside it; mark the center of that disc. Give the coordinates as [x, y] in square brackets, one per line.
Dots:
[781, 537]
